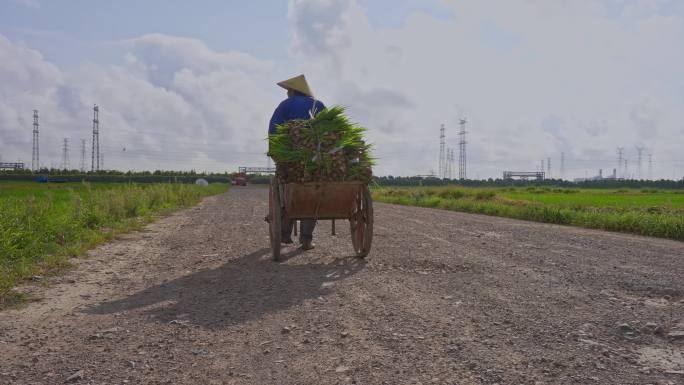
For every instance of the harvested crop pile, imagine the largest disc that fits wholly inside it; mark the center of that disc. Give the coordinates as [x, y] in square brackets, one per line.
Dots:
[327, 148]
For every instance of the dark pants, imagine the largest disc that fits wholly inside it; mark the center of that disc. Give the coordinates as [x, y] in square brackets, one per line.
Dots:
[306, 228]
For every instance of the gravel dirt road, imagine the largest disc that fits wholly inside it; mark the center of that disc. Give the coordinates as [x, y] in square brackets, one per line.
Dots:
[443, 298]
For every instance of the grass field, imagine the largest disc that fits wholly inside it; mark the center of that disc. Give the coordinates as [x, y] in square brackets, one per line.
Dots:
[651, 212]
[43, 225]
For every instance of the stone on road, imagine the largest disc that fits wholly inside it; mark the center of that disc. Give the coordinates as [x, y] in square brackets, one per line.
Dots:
[443, 297]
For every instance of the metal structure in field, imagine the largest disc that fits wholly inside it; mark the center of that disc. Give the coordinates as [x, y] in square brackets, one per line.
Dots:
[462, 150]
[453, 162]
[256, 170]
[524, 175]
[95, 154]
[626, 169]
[650, 166]
[83, 155]
[447, 172]
[640, 150]
[620, 151]
[35, 157]
[12, 166]
[65, 154]
[450, 163]
[442, 160]
[562, 166]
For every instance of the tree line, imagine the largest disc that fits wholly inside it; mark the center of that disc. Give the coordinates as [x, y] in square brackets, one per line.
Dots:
[114, 176]
[166, 176]
[605, 183]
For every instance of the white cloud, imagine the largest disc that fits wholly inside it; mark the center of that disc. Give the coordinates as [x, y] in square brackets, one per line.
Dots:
[28, 82]
[173, 104]
[534, 78]
[163, 56]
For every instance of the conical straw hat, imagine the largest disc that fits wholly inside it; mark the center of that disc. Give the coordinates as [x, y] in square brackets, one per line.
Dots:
[297, 83]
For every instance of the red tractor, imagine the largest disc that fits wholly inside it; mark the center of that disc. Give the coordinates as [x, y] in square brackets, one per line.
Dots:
[239, 179]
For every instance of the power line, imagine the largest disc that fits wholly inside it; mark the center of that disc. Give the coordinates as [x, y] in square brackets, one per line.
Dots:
[83, 155]
[95, 154]
[626, 170]
[620, 151]
[177, 152]
[453, 163]
[441, 151]
[450, 163]
[462, 150]
[639, 149]
[35, 157]
[65, 154]
[650, 166]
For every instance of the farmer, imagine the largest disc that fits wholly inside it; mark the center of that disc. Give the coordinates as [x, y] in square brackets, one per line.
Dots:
[300, 104]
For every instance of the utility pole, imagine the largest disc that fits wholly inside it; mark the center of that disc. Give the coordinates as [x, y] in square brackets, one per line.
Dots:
[562, 170]
[83, 155]
[626, 171]
[640, 150]
[450, 156]
[95, 155]
[542, 166]
[65, 154]
[442, 142]
[548, 167]
[650, 166]
[35, 158]
[453, 163]
[101, 166]
[620, 151]
[462, 150]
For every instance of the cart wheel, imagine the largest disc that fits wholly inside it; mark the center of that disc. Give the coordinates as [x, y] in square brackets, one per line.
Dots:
[275, 218]
[361, 223]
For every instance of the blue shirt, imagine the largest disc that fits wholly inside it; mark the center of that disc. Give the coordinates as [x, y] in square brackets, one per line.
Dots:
[294, 107]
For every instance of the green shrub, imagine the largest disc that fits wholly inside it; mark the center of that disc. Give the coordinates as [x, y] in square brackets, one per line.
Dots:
[660, 221]
[39, 231]
[452, 194]
[484, 195]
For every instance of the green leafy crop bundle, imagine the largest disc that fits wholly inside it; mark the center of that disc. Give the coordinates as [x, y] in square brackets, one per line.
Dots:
[327, 148]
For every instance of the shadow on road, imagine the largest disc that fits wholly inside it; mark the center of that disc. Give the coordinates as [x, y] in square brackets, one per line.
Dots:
[241, 290]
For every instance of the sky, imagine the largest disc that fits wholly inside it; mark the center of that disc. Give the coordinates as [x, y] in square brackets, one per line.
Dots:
[191, 85]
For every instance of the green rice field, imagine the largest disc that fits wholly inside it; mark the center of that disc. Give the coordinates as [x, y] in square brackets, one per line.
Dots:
[652, 212]
[42, 225]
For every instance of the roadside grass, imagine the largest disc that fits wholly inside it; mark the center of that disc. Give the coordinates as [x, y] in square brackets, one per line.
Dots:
[43, 225]
[658, 213]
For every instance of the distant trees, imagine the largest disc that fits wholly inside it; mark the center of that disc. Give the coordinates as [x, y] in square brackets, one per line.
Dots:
[224, 177]
[156, 176]
[606, 183]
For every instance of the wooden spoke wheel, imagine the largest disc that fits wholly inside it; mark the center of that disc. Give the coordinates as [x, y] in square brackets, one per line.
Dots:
[275, 217]
[361, 223]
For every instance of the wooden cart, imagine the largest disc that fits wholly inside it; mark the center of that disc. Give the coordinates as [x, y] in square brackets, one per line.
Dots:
[322, 201]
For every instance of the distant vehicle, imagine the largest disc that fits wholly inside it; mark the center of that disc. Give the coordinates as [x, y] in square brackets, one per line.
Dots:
[239, 179]
[47, 179]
